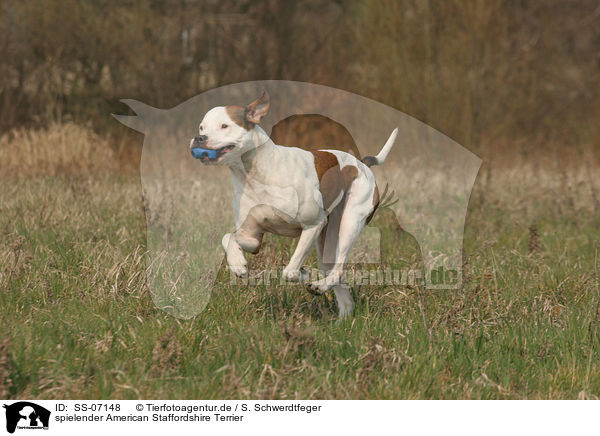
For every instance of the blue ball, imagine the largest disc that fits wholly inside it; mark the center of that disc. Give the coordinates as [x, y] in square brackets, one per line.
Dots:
[199, 152]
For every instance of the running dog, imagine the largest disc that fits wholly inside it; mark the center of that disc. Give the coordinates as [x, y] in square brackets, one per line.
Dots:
[321, 196]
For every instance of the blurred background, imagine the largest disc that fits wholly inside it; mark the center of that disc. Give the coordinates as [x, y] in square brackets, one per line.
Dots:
[505, 79]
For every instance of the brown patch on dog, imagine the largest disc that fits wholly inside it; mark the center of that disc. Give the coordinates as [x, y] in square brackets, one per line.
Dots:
[323, 162]
[375, 203]
[349, 173]
[332, 180]
[238, 116]
[250, 115]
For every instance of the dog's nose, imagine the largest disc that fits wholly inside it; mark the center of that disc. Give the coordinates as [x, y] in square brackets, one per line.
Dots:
[199, 141]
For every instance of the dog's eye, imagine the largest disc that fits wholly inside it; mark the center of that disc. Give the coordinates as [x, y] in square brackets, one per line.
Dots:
[224, 126]
[201, 128]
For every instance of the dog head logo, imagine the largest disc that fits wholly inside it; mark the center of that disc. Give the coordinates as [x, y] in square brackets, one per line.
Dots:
[188, 201]
[26, 415]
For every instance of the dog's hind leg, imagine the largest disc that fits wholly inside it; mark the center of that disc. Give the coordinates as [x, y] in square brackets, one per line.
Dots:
[326, 248]
[357, 209]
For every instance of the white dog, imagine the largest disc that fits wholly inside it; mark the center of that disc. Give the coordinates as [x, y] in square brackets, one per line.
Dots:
[324, 196]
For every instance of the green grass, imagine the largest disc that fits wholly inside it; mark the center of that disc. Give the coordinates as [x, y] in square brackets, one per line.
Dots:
[78, 320]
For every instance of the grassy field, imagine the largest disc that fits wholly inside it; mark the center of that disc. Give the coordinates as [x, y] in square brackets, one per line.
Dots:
[79, 321]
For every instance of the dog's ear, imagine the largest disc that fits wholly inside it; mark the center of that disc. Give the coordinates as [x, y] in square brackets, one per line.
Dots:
[258, 108]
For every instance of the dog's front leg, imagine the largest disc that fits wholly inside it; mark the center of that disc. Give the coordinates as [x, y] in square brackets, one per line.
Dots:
[235, 256]
[294, 271]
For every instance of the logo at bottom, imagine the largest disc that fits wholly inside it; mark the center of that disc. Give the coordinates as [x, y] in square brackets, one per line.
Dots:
[26, 415]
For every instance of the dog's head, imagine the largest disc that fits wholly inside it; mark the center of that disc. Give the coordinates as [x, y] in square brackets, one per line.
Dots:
[227, 132]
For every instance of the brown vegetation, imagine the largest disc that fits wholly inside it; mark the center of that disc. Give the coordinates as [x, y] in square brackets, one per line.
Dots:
[500, 77]
[58, 149]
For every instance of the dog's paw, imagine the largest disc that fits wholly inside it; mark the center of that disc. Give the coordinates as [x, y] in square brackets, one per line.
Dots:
[239, 270]
[315, 288]
[345, 312]
[299, 275]
[319, 287]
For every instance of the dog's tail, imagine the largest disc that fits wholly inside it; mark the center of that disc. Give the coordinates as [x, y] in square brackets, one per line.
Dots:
[380, 158]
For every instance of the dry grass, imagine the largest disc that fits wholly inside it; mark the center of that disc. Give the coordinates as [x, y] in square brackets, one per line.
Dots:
[82, 323]
[5, 369]
[57, 149]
